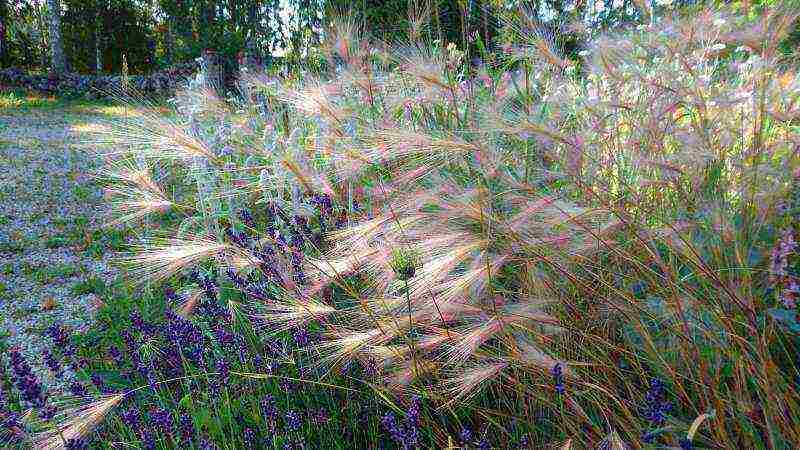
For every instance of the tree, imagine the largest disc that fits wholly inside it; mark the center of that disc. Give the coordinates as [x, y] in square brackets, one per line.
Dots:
[3, 20]
[58, 61]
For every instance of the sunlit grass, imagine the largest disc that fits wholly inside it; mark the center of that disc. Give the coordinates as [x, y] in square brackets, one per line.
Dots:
[14, 100]
[18, 102]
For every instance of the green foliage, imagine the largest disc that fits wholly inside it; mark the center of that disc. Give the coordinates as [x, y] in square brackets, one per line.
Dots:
[115, 28]
[23, 35]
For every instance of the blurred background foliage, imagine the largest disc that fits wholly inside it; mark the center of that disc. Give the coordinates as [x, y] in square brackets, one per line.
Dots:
[154, 34]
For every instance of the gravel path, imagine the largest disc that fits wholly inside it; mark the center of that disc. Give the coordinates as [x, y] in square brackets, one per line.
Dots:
[54, 260]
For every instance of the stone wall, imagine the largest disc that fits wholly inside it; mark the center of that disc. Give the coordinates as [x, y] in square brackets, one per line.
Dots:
[159, 83]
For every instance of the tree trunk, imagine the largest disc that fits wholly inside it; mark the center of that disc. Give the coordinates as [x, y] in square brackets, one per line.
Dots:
[98, 35]
[59, 62]
[252, 34]
[98, 54]
[169, 41]
[212, 69]
[3, 21]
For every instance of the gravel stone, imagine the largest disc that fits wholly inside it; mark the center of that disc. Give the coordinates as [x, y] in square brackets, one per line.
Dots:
[48, 201]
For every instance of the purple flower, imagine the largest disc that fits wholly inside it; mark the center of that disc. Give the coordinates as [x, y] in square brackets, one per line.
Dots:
[788, 296]
[132, 418]
[465, 435]
[48, 412]
[398, 432]
[249, 437]
[148, 441]
[171, 296]
[320, 417]
[247, 218]
[370, 368]
[10, 421]
[187, 337]
[25, 381]
[558, 378]
[302, 337]
[76, 444]
[297, 267]
[786, 246]
[206, 445]
[162, 420]
[51, 362]
[268, 407]
[78, 365]
[346, 368]
[405, 434]
[236, 279]
[270, 222]
[115, 355]
[186, 428]
[260, 291]
[224, 370]
[78, 389]
[786, 286]
[59, 335]
[210, 307]
[147, 329]
[300, 231]
[129, 341]
[650, 437]
[288, 386]
[293, 420]
[137, 320]
[412, 416]
[270, 412]
[656, 406]
[239, 238]
[266, 256]
[225, 338]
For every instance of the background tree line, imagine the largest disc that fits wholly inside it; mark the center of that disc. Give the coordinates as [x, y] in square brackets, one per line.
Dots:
[91, 36]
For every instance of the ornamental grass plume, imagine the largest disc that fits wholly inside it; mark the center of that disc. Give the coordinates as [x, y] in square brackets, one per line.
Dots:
[549, 239]
[154, 136]
[76, 423]
[160, 259]
[139, 198]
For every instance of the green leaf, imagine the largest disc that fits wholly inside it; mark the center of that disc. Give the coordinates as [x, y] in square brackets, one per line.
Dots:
[186, 401]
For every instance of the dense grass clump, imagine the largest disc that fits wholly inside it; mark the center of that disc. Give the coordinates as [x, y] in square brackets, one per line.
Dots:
[532, 251]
